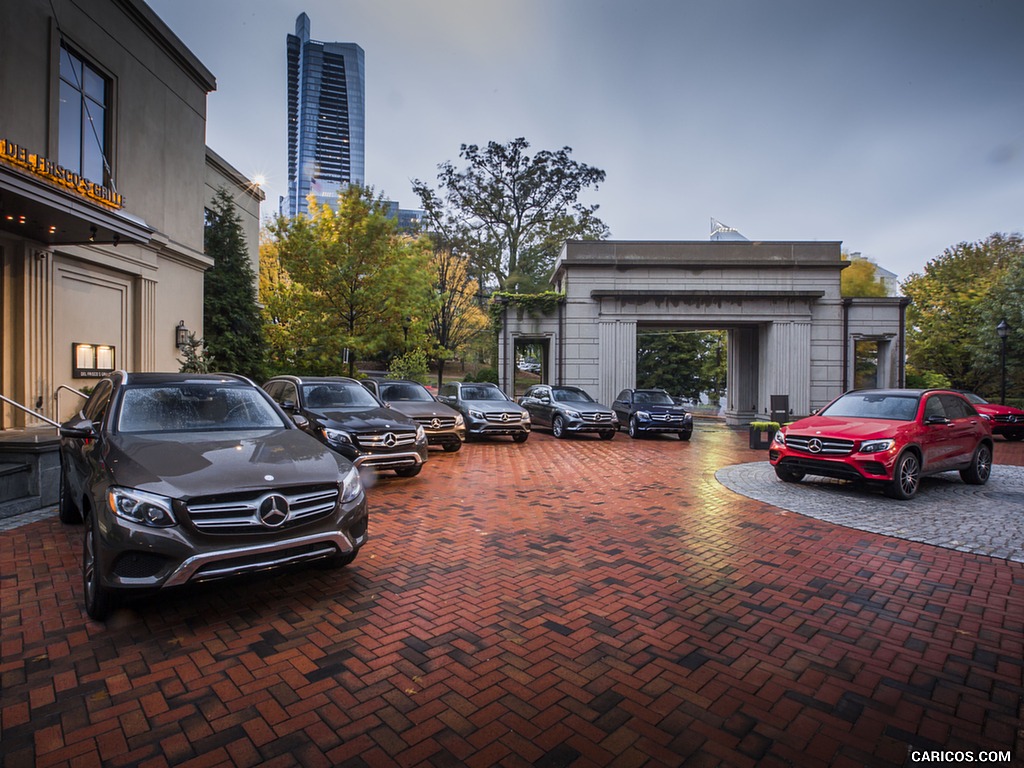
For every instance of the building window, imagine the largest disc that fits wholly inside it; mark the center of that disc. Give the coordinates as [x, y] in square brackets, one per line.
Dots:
[84, 118]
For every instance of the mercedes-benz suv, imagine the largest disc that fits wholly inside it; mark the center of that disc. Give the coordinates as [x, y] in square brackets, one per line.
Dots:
[568, 411]
[444, 425]
[341, 413]
[487, 410]
[887, 437]
[186, 478]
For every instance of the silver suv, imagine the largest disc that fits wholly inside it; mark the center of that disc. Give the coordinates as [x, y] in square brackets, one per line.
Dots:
[487, 410]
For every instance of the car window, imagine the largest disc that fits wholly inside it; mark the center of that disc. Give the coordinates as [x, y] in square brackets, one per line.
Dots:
[273, 388]
[571, 396]
[405, 392]
[934, 408]
[472, 392]
[337, 394]
[192, 407]
[956, 407]
[874, 405]
[623, 396]
[653, 398]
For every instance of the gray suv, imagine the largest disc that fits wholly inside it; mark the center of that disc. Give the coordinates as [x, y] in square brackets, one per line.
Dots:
[487, 410]
[444, 425]
[185, 478]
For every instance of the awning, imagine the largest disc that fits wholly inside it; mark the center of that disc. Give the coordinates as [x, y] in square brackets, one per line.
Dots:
[36, 210]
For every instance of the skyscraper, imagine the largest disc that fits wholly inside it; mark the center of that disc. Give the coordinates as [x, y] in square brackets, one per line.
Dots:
[326, 118]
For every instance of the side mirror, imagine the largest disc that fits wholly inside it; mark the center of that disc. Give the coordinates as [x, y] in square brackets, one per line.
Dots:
[300, 421]
[79, 429]
[289, 405]
[936, 421]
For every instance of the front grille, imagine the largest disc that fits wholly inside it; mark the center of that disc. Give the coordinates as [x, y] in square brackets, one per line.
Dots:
[503, 417]
[667, 418]
[830, 446]
[1006, 418]
[433, 423]
[837, 469]
[601, 417]
[385, 441]
[239, 513]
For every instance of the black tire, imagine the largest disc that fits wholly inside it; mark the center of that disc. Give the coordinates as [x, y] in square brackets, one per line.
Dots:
[409, 471]
[99, 600]
[66, 509]
[633, 429]
[981, 466]
[684, 435]
[521, 437]
[906, 477]
[788, 475]
[558, 427]
[607, 434]
[453, 446]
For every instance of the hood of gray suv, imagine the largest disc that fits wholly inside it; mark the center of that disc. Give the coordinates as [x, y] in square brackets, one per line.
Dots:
[184, 465]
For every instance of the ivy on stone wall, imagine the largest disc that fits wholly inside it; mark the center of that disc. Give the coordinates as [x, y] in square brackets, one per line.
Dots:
[533, 304]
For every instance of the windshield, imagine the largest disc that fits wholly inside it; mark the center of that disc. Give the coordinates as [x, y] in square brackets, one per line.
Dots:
[482, 393]
[195, 407]
[337, 394]
[571, 396]
[875, 405]
[652, 398]
[404, 391]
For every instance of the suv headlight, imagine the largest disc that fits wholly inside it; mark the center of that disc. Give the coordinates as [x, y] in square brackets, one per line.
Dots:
[351, 486]
[779, 438]
[421, 435]
[642, 415]
[573, 414]
[473, 414]
[141, 507]
[337, 436]
[877, 446]
[459, 421]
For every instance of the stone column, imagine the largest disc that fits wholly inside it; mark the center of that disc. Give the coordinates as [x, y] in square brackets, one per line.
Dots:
[34, 308]
[616, 358]
[147, 335]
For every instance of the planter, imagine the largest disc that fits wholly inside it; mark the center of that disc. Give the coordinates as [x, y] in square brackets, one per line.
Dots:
[762, 433]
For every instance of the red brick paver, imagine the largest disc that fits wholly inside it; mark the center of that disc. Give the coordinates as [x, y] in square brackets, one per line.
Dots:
[556, 603]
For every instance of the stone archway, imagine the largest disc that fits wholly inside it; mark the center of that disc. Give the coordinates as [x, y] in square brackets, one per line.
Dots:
[780, 302]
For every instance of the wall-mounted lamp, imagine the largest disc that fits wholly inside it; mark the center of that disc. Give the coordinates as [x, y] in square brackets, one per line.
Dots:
[181, 334]
[92, 234]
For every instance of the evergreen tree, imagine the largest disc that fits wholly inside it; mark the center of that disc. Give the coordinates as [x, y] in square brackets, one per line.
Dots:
[232, 334]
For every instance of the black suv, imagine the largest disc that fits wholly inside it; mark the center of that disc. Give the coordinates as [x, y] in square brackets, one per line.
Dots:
[185, 478]
[652, 411]
[568, 410]
[487, 410]
[343, 414]
[444, 426]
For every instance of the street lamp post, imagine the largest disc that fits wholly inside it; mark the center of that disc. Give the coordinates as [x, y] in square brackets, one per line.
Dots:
[1003, 329]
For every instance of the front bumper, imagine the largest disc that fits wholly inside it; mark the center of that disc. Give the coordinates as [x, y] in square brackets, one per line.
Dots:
[137, 557]
[868, 467]
[485, 428]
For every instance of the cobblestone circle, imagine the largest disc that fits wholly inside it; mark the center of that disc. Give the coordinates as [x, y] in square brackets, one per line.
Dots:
[981, 519]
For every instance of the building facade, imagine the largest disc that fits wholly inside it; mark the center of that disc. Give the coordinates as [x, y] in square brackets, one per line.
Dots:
[326, 118]
[792, 337]
[104, 180]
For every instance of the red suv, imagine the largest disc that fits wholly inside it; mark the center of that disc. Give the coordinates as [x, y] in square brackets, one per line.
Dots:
[887, 437]
[1006, 420]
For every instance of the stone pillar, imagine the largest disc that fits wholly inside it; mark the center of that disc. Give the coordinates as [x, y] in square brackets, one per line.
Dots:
[147, 335]
[34, 387]
[616, 358]
[743, 374]
[786, 366]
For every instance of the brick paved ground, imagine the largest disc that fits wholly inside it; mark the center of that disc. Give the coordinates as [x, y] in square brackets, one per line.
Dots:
[576, 603]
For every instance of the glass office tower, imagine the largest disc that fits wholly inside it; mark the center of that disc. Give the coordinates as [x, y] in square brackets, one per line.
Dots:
[326, 118]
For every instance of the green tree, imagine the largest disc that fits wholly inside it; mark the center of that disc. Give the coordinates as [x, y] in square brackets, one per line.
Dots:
[351, 282]
[232, 327]
[861, 278]
[956, 304]
[457, 317]
[684, 363]
[512, 211]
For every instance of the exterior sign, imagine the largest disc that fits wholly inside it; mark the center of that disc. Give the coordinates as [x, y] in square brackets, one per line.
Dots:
[38, 165]
[91, 361]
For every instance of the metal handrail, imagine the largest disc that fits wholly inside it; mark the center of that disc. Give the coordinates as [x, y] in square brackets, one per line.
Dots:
[56, 395]
[29, 411]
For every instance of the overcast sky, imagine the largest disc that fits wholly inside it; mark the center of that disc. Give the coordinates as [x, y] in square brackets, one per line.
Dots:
[895, 126]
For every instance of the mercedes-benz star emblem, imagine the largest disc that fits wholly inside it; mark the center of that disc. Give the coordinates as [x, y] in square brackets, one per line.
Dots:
[274, 511]
[814, 445]
[435, 423]
[390, 440]
[504, 417]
